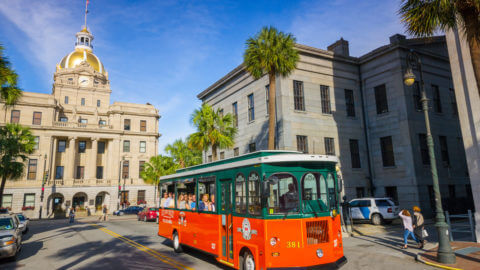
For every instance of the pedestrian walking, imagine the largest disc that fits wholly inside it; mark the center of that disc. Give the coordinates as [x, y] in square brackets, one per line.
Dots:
[407, 224]
[104, 213]
[72, 215]
[418, 225]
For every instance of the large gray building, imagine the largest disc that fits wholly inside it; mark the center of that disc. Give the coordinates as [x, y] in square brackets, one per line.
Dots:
[358, 109]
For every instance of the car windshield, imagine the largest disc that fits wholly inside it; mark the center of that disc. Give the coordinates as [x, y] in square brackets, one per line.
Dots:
[283, 194]
[21, 217]
[6, 223]
[314, 195]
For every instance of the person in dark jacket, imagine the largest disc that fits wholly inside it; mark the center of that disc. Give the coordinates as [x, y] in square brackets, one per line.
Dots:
[418, 225]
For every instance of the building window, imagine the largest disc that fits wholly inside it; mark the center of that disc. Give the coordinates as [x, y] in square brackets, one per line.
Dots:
[267, 97]
[99, 172]
[102, 122]
[298, 100]
[61, 146]
[381, 99]
[143, 147]
[391, 192]
[451, 191]
[325, 97]
[37, 118]
[437, 104]
[251, 108]
[126, 146]
[236, 152]
[32, 169]
[210, 158]
[83, 121]
[59, 172]
[37, 142]
[29, 200]
[126, 124]
[63, 119]
[143, 125]
[329, 146]
[101, 147]
[355, 153]
[66, 100]
[468, 190]
[302, 144]
[98, 102]
[424, 149]
[125, 169]
[252, 148]
[235, 114]
[80, 172]
[15, 117]
[350, 102]
[360, 192]
[7, 201]
[222, 155]
[386, 146]
[82, 102]
[417, 98]
[453, 100]
[444, 151]
[141, 196]
[141, 167]
[82, 145]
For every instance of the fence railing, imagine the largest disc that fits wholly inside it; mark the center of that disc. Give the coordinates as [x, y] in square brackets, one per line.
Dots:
[462, 226]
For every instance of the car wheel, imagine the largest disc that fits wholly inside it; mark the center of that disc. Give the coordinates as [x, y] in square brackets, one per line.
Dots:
[376, 219]
[177, 247]
[247, 261]
[145, 219]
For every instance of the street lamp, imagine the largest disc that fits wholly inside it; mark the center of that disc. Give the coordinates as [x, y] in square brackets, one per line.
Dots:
[119, 184]
[45, 177]
[445, 253]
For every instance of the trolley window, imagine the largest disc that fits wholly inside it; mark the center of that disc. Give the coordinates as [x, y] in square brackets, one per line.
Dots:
[240, 194]
[206, 194]
[254, 203]
[168, 195]
[282, 193]
[314, 193]
[332, 196]
[186, 194]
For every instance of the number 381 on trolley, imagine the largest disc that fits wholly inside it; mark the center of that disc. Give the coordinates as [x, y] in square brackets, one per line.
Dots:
[263, 210]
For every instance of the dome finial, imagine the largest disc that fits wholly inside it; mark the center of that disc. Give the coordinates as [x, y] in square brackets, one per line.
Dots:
[86, 11]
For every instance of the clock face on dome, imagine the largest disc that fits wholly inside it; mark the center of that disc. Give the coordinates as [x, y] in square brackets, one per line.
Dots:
[83, 80]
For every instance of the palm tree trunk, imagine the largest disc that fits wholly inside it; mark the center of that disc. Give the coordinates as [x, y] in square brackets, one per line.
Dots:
[475, 55]
[2, 187]
[271, 111]
[214, 152]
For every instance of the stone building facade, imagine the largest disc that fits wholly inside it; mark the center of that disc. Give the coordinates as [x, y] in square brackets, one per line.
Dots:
[89, 151]
[358, 109]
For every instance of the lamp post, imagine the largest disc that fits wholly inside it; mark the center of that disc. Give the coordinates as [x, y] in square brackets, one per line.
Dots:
[45, 177]
[444, 253]
[119, 184]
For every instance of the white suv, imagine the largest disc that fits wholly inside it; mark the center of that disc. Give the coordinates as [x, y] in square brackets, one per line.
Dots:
[377, 210]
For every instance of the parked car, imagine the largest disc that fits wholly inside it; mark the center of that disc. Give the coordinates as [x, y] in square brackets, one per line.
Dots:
[377, 210]
[148, 214]
[10, 235]
[23, 220]
[131, 210]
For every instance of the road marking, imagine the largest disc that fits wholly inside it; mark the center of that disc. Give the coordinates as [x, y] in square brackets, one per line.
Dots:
[143, 248]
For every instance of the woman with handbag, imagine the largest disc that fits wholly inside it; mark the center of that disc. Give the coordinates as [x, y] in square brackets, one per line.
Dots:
[418, 226]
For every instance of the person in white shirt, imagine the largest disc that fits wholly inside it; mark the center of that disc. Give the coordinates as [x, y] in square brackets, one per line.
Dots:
[407, 224]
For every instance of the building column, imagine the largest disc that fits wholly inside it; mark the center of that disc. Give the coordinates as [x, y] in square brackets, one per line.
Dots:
[53, 157]
[108, 165]
[92, 161]
[114, 162]
[70, 160]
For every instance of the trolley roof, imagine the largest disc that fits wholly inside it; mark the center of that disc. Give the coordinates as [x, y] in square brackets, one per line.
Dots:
[268, 156]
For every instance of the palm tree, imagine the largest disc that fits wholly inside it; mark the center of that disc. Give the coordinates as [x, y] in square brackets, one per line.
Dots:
[271, 52]
[10, 93]
[183, 155]
[156, 167]
[424, 17]
[214, 130]
[15, 143]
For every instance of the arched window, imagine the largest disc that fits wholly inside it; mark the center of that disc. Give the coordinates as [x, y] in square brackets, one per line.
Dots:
[240, 194]
[332, 198]
[254, 203]
[283, 194]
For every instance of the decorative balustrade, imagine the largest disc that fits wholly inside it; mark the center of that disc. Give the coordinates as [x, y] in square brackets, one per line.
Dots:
[81, 125]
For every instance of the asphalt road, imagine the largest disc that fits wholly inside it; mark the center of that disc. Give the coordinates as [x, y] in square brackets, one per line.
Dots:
[130, 244]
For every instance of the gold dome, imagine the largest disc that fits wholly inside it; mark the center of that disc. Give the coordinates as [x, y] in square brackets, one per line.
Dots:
[74, 58]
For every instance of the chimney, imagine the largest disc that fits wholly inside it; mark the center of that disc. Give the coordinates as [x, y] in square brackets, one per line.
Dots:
[397, 39]
[340, 47]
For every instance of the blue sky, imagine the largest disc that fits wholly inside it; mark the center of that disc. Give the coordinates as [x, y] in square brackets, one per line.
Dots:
[166, 52]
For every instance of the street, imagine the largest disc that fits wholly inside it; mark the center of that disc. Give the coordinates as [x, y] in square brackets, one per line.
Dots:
[125, 243]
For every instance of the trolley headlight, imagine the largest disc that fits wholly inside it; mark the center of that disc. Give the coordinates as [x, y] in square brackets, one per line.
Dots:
[273, 241]
[319, 253]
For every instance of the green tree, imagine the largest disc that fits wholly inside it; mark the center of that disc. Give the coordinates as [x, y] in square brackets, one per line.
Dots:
[424, 17]
[10, 93]
[271, 52]
[15, 143]
[214, 130]
[155, 168]
[183, 155]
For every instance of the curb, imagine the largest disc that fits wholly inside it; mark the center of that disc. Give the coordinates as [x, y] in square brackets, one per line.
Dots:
[419, 258]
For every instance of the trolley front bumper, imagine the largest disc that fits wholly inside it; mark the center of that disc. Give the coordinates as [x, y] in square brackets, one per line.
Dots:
[333, 265]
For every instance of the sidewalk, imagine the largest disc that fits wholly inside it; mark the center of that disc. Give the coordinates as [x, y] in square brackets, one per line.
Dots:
[467, 254]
